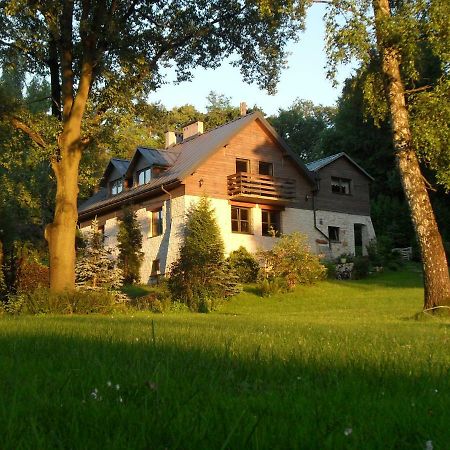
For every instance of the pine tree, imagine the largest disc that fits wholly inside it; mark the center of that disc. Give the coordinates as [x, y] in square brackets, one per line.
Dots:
[95, 268]
[200, 275]
[130, 243]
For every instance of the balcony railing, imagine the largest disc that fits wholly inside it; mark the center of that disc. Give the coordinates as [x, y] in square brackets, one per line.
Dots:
[253, 187]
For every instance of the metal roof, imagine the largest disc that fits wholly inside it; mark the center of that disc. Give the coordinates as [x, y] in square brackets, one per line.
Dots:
[121, 165]
[314, 166]
[187, 156]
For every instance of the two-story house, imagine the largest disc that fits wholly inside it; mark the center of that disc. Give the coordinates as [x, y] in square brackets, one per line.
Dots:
[256, 184]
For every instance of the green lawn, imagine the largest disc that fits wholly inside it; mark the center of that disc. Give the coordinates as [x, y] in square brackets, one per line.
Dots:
[340, 365]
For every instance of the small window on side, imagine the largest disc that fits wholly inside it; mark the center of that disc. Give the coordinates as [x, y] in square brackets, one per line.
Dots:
[333, 234]
[340, 185]
[240, 220]
[144, 176]
[156, 223]
[266, 168]
[116, 186]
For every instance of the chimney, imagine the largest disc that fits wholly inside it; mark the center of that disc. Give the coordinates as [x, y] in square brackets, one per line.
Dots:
[243, 108]
[173, 138]
[193, 129]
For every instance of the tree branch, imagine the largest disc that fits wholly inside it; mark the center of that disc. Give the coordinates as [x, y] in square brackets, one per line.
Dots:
[420, 89]
[20, 125]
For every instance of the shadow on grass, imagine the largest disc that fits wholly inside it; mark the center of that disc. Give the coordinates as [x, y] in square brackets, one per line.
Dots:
[71, 392]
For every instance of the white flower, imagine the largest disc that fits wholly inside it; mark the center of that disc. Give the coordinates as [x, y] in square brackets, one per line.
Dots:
[429, 445]
[120, 400]
[108, 383]
[348, 431]
[117, 387]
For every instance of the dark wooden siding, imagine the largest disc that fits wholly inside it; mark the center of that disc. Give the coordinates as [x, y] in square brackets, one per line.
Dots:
[255, 144]
[358, 202]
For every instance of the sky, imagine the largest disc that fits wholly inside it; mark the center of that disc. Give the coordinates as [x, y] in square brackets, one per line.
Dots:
[305, 78]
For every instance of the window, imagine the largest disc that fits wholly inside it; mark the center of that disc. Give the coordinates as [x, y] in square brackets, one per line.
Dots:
[340, 185]
[116, 186]
[333, 234]
[265, 168]
[144, 176]
[271, 221]
[240, 220]
[156, 223]
[242, 165]
[156, 271]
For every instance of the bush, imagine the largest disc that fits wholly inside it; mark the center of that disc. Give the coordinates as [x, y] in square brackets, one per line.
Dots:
[361, 266]
[129, 243]
[244, 265]
[32, 275]
[200, 277]
[331, 270]
[291, 261]
[42, 301]
[158, 300]
[271, 286]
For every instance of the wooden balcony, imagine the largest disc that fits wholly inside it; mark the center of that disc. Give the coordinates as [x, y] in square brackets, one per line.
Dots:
[260, 188]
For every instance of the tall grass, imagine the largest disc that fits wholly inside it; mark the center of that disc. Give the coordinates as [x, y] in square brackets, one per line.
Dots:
[339, 365]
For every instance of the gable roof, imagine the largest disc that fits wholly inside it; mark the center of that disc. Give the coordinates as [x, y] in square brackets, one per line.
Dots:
[314, 166]
[121, 165]
[184, 158]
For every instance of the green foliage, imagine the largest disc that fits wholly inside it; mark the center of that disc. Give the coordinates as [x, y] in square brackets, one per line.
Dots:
[157, 299]
[95, 267]
[200, 277]
[291, 263]
[129, 243]
[304, 126]
[244, 265]
[43, 301]
[361, 267]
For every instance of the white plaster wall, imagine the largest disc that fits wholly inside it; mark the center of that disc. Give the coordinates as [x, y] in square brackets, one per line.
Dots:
[346, 223]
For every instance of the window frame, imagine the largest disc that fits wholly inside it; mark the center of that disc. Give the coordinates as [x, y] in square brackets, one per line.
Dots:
[338, 234]
[143, 171]
[269, 164]
[341, 183]
[114, 183]
[156, 217]
[239, 220]
[270, 223]
[242, 160]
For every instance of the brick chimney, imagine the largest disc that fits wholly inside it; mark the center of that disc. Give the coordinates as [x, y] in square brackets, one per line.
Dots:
[173, 138]
[193, 129]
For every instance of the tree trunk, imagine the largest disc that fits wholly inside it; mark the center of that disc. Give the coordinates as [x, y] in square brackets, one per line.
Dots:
[60, 234]
[435, 269]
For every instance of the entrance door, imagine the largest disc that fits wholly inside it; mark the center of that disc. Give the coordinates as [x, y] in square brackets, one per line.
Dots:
[358, 232]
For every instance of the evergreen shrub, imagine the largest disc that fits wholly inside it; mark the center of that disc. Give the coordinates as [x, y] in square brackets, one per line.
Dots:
[129, 240]
[244, 265]
[289, 264]
[200, 277]
[361, 267]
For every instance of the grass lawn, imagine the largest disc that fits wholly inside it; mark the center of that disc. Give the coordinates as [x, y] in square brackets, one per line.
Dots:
[339, 365]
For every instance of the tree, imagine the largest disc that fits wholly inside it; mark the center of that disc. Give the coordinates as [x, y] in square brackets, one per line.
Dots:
[102, 54]
[303, 126]
[200, 274]
[129, 240]
[95, 268]
[391, 39]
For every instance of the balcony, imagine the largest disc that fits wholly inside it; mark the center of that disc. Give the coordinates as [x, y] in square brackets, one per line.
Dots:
[260, 188]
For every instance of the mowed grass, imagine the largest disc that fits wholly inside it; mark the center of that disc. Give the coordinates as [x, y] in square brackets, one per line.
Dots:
[339, 365]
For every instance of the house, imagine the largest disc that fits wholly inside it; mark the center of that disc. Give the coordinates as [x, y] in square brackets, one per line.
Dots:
[256, 184]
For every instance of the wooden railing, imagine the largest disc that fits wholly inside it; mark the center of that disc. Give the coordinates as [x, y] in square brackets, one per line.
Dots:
[252, 186]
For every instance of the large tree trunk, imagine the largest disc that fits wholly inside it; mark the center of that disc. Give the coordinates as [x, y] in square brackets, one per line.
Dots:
[61, 233]
[435, 269]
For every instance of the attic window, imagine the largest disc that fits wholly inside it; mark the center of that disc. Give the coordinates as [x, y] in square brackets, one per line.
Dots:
[265, 168]
[340, 185]
[116, 186]
[144, 176]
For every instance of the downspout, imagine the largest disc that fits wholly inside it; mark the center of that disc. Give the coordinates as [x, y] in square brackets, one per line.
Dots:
[315, 216]
[170, 198]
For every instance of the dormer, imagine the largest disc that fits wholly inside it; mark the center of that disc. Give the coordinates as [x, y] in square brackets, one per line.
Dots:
[114, 176]
[147, 164]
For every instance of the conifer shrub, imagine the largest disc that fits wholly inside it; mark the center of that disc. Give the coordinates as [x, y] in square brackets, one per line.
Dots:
[289, 264]
[244, 265]
[95, 267]
[200, 277]
[129, 240]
